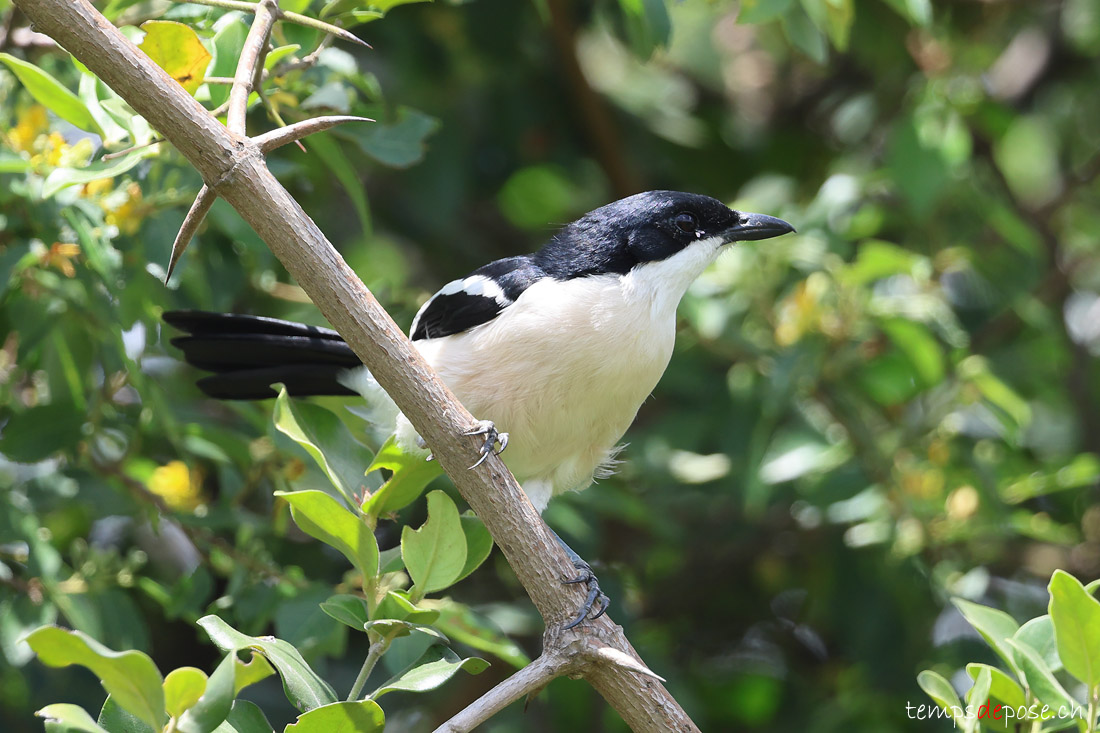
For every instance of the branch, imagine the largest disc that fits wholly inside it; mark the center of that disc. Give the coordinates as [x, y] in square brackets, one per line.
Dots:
[233, 167]
[528, 681]
[251, 60]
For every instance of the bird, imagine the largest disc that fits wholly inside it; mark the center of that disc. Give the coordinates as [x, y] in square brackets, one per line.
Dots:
[554, 351]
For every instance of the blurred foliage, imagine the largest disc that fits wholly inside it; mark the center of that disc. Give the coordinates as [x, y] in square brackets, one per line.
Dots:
[897, 406]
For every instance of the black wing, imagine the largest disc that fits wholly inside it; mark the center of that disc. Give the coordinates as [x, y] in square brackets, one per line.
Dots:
[475, 299]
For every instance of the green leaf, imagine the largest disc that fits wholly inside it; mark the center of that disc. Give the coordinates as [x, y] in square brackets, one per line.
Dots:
[978, 694]
[1040, 680]
[941, 691]
[275, 55]
[878, 260]
[920, 347]
[51, 94]
[1082, 470]
[1076, 618]
[392, 628]
[304, 688]
[129, 677]
[244, 717]
[182, 688]
[459, 622]
[1038, 633]
[762, 11]
[37, 433]
[479, 543]
[250, 672]
[176, 48]
[363, 716]
[336, 160]
[435, 554]
[228, 45]
[61, 178]
[396, 605]
[648, 26]
[995, 626]
[804, 36]
[88, 91]
[437, 666]
[211, 709]
[410, 476]
[343, 459]
[397, 143]
[1001, 686]
[349, 610]
[321, 517]
[67, 718]
[118, 720]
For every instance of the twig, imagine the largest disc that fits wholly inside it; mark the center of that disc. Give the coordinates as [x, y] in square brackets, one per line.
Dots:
[283, 135]
[526, 681]
[191, 223]
[287, 16]
[251, 59]
[127, 151]
[306, 61]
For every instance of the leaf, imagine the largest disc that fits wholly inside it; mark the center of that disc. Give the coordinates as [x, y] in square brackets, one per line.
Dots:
[66, 718]
[978, 694]
[410, 476]
[920, 347]
[459, 622]
[995, 626]
[941, 691]
[176, 48]
[1082, 470]
[275, 55]
[435, 554]
[1001, 686]
[130, 677]
[1038, 633]
[118, 720]
[437, 666]
[802, 34]
[321, 517]
[303, 687]
[479, 543]
[397, 143]
[51, 94]
[250, 672]
[244, 717]
[182, 688]
[396, 605]
[343, 459]
[762, 11]
[228, 45]
[37, 433]
[647, 25]
[216, 701]
[348, 610]
[1040, 680]
[61, 178]
[363, 716]
[1076, 618]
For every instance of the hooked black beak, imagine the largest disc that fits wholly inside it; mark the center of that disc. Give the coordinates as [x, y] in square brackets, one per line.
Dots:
[752, 227]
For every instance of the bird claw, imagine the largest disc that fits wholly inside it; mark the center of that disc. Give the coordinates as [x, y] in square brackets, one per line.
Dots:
[492, 438]
[594, 594]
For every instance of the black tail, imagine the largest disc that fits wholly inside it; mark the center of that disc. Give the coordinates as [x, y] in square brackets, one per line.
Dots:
[249, 353]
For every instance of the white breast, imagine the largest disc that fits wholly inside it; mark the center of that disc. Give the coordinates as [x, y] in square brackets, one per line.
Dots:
[565, 368]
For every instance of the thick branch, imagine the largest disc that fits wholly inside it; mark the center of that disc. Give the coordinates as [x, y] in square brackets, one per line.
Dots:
[234, 168]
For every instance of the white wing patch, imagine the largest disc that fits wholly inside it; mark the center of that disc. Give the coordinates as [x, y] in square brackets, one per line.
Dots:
[471, 285]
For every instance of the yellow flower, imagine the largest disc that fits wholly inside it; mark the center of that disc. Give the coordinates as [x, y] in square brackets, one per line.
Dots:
[60, 255]
[97, 187]
[31, 123]
[127, 216]
[180, 487]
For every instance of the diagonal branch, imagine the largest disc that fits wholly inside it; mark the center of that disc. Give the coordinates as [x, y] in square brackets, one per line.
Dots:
[234, 168]
[251, 59]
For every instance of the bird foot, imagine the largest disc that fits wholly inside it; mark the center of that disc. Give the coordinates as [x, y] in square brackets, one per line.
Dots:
[492, 438]
[595, 595]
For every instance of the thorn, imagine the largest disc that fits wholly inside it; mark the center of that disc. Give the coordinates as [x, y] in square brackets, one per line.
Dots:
[624, 660]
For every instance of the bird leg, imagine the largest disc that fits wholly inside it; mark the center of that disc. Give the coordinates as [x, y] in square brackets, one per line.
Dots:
[492, 437]
[595, 595]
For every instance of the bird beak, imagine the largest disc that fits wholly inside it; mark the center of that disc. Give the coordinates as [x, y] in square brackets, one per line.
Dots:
[752, 227]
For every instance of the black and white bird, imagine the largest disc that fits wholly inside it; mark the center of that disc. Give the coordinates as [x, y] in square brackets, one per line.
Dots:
[556, 349]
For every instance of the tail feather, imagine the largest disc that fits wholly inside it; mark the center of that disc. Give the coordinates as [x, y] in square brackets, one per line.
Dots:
[247, 354]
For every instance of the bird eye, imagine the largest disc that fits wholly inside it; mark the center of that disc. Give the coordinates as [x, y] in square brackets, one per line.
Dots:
[686, 222]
